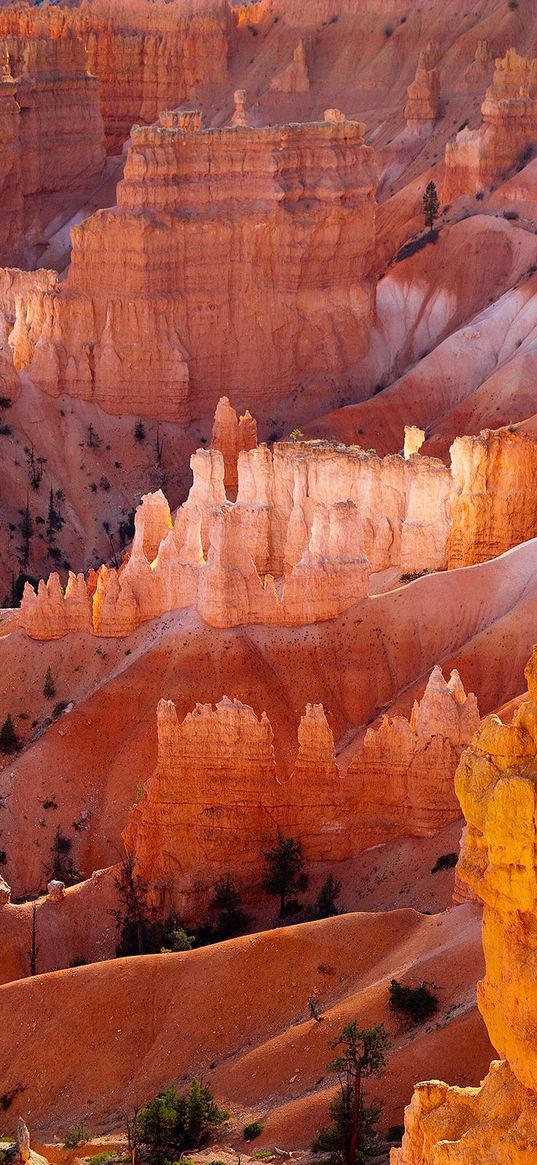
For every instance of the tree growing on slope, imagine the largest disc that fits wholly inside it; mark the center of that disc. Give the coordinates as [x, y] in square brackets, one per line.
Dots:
[350, 1138]
[284, 876]
[431, 205]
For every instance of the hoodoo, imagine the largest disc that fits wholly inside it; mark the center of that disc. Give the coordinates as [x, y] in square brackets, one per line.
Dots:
[265, 208]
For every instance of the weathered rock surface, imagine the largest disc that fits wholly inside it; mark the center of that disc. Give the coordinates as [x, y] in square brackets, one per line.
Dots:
[253, 274]
[403, 773]
[232, 435]
[493, 501]
[215, 803]
[496, 785]
[477, 158]
[423, 104]
[51, 129]
[294, 78]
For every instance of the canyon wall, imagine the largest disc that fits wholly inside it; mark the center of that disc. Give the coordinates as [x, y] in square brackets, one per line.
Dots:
[317, 520]
[496, 783]
[477, 158]
[147, 56]
[217, 797]
[264, 238]
[51, 128]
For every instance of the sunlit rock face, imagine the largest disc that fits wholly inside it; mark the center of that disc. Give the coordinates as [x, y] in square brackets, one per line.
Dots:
[262, 236]
[477, 158]
[217, 797]
[496, 783]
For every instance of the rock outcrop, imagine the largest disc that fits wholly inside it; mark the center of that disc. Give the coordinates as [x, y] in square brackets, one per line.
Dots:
[497, 788]
[252, 274]
[423, 104]
[311, 523]
[477, 158]
[232, 435]
[147, 56]
[216, 799]
[403, 774]
[51, 130]
[493, 500]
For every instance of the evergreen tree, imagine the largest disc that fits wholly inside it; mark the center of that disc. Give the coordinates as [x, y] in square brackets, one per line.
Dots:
[284, 874]
[9, 741]
[326, 902]
[49, 689]
[350, 1138]
[170, 1124]
[431, 205]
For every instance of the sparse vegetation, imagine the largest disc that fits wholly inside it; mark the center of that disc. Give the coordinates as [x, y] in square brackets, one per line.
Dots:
[445, 862]
[62, 866]
[77, 1135]
[93, 438]
[9, 741]
[325, 905]
[351, 1137]
[172, 1123]
[252, 1130]
[49, 687]
[139, 431]
[231, 919]
[59, 708]
[284, 876]
[431, 205]
[416, 1004]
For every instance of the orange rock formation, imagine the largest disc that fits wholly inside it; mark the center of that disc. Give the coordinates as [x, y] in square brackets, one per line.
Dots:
[294, 78]
[478, 157]
[496, 786]
[267, 240]
[423, 104]
[214, 802]
[232, 435]
[51, 130]
[147, 56]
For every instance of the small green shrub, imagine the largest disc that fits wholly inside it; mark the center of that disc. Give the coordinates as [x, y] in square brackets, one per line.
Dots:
[416, 1004]
[101, 1158]
[262, 1155]
[9, 741]
[253, 1130]
[139, 431]
[77, 1135]
[49, 687]
[445, 862]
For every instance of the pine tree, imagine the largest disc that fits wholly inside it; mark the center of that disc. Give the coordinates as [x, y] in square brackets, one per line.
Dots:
[284, 874]
[350, 1138]
[9, 741]
[431, 205]
[49, 688]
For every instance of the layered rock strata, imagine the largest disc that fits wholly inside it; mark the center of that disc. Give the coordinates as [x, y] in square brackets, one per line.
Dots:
[242, 258]
[404, 770]
[477, 158]
[148, 56]
[496, 783]
[423, 95]
[311, 523]
[51, 128]
[215, 802]
[232, 435]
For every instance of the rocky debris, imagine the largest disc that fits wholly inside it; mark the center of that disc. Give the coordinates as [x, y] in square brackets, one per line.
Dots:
[56, 891]
[5, 892]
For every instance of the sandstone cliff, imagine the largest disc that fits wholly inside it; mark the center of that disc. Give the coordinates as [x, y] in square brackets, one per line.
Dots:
[496, 785]
[51, 130]
[252, 274]
[214, 803]
[403, 773]
[477, 158]
[146, 55]
[493, 500]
